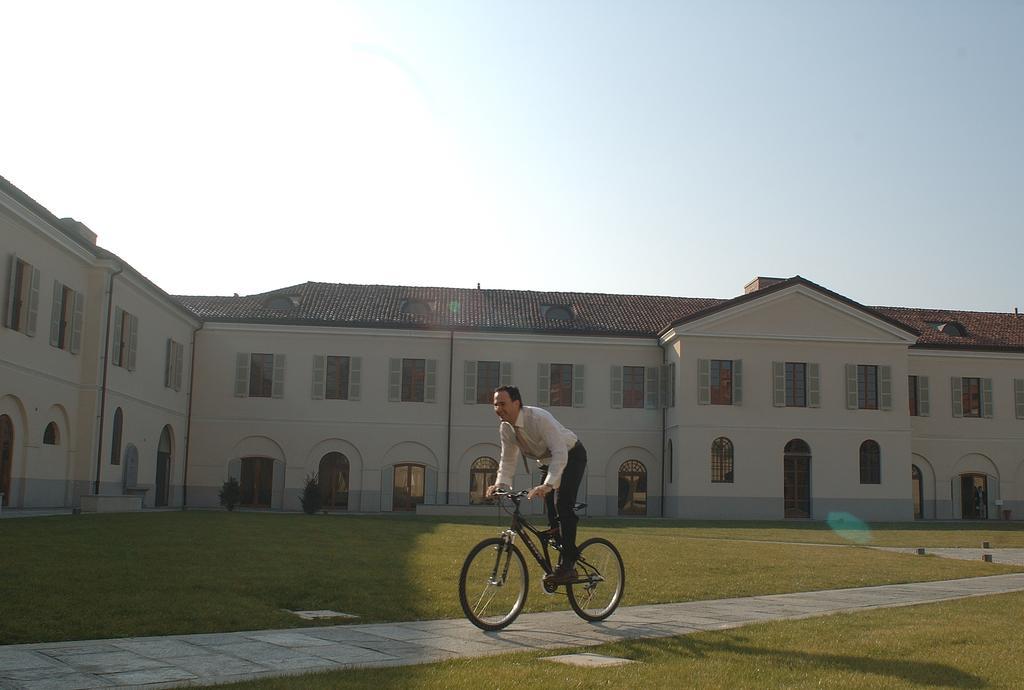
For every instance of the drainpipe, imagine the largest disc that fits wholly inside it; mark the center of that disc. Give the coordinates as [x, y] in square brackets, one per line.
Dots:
[664, 423]
[103, 385]
[448, 448]
[188, 417]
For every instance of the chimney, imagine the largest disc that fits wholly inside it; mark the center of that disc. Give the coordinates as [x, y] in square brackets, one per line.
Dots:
[760, 283]
[77, 228]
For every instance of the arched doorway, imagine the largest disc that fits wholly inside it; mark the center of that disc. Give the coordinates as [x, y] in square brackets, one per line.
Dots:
[918, 487]
[632, 488]
[973, 496]
[333, 476]
[796, 481]
[408, 486]
[257, 482]
[163, 468]
[6, 457]
[483, 473]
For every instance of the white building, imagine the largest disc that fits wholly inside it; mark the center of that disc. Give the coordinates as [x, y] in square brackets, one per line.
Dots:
[788, 401]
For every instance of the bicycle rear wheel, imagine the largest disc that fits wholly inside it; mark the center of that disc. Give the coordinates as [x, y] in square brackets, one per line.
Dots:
[602, 576]
[493, 584]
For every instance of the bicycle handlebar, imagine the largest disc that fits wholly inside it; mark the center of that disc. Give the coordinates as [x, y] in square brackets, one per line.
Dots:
[511, 494]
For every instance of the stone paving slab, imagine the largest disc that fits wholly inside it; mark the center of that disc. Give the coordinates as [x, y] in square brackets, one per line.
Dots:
[203, 659]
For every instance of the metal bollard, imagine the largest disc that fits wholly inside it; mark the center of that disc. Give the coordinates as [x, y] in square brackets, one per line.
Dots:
[920, 552]
[986, 545]
[987, 557]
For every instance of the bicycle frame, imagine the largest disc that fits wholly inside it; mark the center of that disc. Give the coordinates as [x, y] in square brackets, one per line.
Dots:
[522, 528]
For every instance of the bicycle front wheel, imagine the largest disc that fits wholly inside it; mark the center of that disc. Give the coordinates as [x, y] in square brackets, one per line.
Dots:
[493, 584]
[598, 590]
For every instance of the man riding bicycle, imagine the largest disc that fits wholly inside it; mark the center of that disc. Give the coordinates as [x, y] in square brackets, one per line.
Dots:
[534, 433]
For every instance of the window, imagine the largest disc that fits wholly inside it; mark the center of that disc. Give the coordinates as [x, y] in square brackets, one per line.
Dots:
[721, 461]
[912, 395]
[796, 479]
[333, 480]
[257, 482]
[415, 307]
[23, 297]
[668, 385]
[870, 463]
[721, 382]
[561, 385]
[261, 375]
[971, 397]
[65, 318]
[414, 377]
[51, 436]
[488, 374]
[336, 383]
[174, 364]
[867, 387]
[918, 484]
[633, 386]
[556, 312]
[115, 437]
[408, 487]
[632, 488]
[482, 474]
[796, 384]
[126, 339]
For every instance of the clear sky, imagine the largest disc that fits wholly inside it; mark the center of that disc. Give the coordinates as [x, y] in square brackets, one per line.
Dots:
[646, 147]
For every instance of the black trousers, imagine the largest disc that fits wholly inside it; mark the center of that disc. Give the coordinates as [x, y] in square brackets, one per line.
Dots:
[559, 502]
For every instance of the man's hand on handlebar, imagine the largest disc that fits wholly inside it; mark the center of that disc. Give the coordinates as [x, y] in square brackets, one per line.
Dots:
[540, 491]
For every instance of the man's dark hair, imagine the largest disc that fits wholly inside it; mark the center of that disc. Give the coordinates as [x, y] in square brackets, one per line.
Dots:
[512, 391]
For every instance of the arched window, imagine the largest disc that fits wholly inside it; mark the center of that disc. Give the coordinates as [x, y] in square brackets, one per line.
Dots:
[6, 457]
[163, 467]
[721, 460]
[632, 488]
[483, 473]
[408, 487]
[918, 486]
[870, 463]
[333, 477]
[115, 437]
[51, 435]
[796, 479]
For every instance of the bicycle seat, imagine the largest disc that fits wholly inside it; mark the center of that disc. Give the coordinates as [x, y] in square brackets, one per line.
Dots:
[579, 506]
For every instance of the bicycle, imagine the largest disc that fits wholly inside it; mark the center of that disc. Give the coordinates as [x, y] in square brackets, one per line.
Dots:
[494, 579]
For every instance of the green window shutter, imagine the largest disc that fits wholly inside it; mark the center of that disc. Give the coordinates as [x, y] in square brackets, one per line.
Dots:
[851, 386]
[987, 406]
[169, 364]
[33, 304]
[430, 385]
[885, 387]
[1018, 397]
[703, 382]
[277, 387]
[319, 372]
[242, 360]
[957, 388]
[924, 406]
[813, 385]
[133, 340]
[394, 381]
[506, 373]
[118, 318]
[355, 376]
[429, 486]
[737, 382]
[179, 364]
[55, 313]
[12, 288]
[76, 323]
[616, 386]
[544, 384]
[651, 389]
[469, 383]
[663, 385]
[779, 384]
[578, 397]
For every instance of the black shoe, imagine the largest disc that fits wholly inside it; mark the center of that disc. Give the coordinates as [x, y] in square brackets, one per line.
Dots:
[551, 534]
[561, 576]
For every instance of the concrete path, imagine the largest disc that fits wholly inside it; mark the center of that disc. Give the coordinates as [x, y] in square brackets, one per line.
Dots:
[156, 662]
[1007, 556]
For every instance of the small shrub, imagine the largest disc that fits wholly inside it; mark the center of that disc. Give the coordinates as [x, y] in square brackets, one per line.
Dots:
[230, 494]
[311, 498]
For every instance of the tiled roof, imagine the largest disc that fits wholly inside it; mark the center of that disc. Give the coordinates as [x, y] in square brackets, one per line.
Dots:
[381, 306]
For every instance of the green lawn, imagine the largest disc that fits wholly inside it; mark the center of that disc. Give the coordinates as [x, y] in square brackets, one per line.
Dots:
[970, 643]
[98, 576]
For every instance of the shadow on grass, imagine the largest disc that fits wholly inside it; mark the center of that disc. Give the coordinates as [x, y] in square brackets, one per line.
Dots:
[915, 672]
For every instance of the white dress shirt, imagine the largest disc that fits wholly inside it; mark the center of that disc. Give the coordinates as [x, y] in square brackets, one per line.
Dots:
[536, 435]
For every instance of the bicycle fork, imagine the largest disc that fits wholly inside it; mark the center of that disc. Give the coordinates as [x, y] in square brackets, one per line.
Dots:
[504, 550]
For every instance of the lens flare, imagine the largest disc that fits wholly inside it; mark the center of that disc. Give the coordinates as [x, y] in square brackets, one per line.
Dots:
[849, 527]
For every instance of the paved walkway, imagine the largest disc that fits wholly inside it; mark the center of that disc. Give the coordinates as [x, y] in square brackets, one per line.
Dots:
[1008, 556]
[155, 662]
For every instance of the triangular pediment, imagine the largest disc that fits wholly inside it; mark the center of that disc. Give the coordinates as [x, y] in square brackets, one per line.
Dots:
[797, 312]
